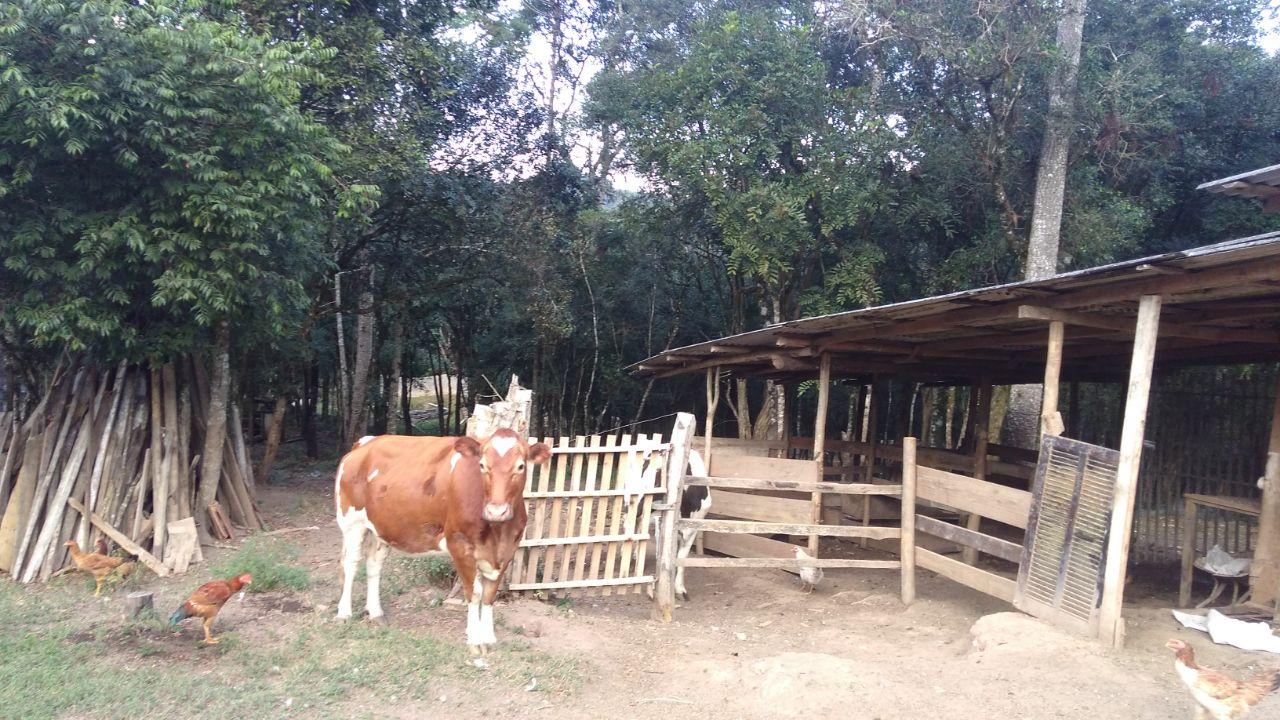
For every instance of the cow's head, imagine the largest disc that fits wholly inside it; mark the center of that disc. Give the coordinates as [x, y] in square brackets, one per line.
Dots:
[502, 466]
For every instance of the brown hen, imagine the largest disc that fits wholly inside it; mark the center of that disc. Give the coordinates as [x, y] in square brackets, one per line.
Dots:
[98, 564]
[1218, 696]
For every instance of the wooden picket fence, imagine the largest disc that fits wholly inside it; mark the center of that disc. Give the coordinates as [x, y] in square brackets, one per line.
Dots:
[589, 516]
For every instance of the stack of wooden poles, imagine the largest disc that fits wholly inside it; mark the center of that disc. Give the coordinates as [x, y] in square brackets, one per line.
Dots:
[124, 443]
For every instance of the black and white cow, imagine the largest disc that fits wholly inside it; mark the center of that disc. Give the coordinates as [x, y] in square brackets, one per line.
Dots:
[694, 504]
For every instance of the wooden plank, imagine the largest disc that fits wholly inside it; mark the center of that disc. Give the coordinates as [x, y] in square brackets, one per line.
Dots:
[790, 563]
[736, 466]
[588, 493]
[877, 390]
[588, 504]
[122, 540]
[819, 443]
[615, 449]
[572, 509]
[556, 513]
[997, 586]
[795, 486]
[746, 506]
[965, 537]
[907, 549]
[740, 446]
[768, 528]
[630, 516]
[664, 593]
[981, 439]
[1003, 504]
[1188, 552]
[607, 484]
[1132, 431]
[582, 539]
[1265, 571]
[1247, 506]
[747, 546]
[615, 518]
[1126, 326]
[600, 583]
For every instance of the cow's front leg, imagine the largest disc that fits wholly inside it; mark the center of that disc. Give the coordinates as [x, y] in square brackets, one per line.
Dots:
[464, 563]
[486, 634]
[374, 558]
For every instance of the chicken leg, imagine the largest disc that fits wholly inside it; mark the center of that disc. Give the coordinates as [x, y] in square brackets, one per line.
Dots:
[208, 638]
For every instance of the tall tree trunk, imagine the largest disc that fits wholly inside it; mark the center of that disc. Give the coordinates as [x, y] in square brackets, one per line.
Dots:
[357, 409]
[344, 391]
[396, 375]
[275, 429]
[215, 434]
[309, 435]
[745, 428]
[1022, 423]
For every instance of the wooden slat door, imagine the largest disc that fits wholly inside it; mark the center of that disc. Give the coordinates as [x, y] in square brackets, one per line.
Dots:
[588, 529]
[1064, 554]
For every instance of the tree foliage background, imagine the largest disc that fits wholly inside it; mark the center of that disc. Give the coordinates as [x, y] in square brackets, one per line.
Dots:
[370, 189]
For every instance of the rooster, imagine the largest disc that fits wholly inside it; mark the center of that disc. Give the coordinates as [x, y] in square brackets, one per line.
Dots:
[100, 565]
[1218, 696]
[207, 600]
[809, 576]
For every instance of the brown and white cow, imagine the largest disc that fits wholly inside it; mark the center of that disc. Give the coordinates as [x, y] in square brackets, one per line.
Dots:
[428, 494]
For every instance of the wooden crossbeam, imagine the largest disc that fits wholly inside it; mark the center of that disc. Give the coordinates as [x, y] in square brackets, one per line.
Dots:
[788, 563]
[795, 485]
[768, 528]
[1126, 325]
[988, 544]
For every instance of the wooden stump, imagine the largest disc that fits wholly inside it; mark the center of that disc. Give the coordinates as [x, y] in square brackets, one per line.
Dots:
[137, 603]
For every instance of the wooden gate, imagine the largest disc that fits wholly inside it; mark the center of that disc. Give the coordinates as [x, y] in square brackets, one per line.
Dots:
[589, 516]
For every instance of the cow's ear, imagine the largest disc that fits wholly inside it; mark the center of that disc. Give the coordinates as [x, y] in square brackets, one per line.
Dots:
[467, 447]
[539, 453]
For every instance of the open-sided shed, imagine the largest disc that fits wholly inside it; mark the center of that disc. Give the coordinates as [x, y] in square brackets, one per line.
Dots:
[1213, 305]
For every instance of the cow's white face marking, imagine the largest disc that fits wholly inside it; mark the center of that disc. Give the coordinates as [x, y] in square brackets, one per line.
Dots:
[443, 545]
[502, 445]
[373, 474]
[453, 461]
[364, 439]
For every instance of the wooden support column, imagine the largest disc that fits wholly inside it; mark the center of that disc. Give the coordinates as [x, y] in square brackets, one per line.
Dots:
[907, 549]
[820, 442]
[664, 592]
[981, 439]
[713, 401]
[1265, 574]
[873, 442]
[1111, 624]
[1050, 418]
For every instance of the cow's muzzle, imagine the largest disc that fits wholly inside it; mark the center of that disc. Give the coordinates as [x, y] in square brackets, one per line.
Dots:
[497, 513]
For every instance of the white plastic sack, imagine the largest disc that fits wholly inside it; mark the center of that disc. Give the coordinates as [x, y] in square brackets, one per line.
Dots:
[1221, 562]
[1225, 630]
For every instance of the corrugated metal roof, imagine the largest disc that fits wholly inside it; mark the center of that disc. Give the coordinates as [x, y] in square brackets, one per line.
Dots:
[996, 329]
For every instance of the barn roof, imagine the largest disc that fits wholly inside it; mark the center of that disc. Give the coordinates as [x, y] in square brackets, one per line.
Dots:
[1263, 183]
[1221, 306]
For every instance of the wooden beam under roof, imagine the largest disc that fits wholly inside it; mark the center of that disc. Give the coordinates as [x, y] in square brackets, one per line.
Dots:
[1164, 285]
[1123, 324]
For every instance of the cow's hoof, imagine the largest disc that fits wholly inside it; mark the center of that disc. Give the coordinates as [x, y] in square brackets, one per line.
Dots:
[475, 650]
[378, 619]
[682, 596]
[343, 617]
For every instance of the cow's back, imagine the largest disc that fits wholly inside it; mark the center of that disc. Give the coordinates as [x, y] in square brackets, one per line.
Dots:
[402, 484]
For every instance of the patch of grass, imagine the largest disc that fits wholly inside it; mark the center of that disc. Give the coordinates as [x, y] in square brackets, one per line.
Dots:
[400, 575]
[269, 560]
[57, 659]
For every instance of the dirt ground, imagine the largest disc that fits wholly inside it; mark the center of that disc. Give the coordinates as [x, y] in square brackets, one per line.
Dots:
[749, 644]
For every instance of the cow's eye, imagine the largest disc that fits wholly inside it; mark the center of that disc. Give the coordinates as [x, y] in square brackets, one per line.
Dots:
[484, 466]
[520, 466]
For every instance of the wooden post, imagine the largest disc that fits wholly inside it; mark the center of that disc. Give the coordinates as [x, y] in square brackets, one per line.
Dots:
[873, 442]
[820, 442]
[1111, 624]
[981, 438]
[713, 401]
[1188, 553]
[1050, 418]
[908, 547]
[1266, 557]
[664, 595]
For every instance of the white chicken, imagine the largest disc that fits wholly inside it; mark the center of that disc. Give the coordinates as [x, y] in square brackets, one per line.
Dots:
[809, 576]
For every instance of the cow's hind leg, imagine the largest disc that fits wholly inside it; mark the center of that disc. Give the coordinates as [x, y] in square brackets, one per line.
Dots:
[374, 558]
[352, 543]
